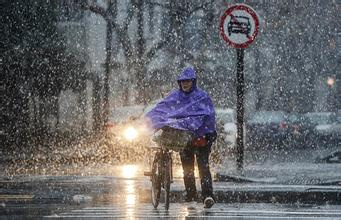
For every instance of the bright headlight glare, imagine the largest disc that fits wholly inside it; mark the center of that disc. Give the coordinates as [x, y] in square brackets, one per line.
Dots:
[130, 133]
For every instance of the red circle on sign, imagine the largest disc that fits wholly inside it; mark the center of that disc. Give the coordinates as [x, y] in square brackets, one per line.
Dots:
[253, 15]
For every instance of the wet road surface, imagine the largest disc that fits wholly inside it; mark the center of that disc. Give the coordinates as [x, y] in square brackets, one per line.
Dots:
[186, 210]
[107, 191]
[120, 194]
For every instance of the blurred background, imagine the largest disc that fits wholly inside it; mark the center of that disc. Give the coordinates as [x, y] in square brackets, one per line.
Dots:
[66, 66]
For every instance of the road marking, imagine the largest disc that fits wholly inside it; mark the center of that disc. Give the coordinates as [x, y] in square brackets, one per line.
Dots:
[179, 210]
[16, 197]
[194, 216]
[228, 210]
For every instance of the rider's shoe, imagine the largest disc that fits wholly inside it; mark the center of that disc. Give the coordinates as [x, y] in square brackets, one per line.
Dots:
[208, 202]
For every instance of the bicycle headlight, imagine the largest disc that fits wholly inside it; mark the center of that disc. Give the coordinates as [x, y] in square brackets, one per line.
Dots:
[130, 133]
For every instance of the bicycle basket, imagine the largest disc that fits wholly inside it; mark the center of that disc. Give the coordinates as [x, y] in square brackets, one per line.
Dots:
[174, 139]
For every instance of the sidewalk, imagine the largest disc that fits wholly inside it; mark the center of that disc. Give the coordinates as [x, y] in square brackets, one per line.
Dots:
[290, 182]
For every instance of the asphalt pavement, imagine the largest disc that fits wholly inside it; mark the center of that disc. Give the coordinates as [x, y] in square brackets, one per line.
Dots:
[108, 191]
[309, 176]
[195, 211]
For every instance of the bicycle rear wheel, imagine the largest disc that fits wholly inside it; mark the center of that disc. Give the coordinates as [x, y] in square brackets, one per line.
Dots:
[156, 181]
[167, 179]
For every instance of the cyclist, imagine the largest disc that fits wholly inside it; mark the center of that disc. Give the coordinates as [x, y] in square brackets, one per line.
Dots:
[190, 108]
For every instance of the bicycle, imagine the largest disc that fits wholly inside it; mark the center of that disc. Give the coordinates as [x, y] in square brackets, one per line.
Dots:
[161, 174]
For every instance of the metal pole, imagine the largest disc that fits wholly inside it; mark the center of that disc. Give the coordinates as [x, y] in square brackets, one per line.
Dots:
[107, 72]
[240, 109]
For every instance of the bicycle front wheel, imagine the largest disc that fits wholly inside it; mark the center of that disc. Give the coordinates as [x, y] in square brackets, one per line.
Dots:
[167, 179]
[156, 181]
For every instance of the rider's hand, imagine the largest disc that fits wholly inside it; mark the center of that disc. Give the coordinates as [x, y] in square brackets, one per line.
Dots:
[199, 142]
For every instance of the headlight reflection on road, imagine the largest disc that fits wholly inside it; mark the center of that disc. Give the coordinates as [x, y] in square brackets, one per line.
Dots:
[131, 198]
[130, 192]
[129, 171]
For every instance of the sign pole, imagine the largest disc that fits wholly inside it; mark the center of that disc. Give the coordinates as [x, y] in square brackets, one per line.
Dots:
[240, 109]
[239, 26]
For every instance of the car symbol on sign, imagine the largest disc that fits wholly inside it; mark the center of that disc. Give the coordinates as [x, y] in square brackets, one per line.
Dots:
[239, 24]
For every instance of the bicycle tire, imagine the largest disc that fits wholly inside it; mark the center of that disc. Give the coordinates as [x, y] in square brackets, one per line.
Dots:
[156, 181]
[167, 179]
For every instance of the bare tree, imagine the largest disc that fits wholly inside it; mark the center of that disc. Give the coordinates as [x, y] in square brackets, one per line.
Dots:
[138, 54]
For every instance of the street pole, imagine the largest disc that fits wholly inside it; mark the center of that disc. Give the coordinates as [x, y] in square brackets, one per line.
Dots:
[240, 109]
[107, 72]
[236, 35]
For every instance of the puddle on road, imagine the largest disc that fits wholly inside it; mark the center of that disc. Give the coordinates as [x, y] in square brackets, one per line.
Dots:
[128, 194]
[131, 192]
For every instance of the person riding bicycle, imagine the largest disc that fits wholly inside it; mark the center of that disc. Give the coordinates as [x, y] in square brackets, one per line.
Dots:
[190, 108]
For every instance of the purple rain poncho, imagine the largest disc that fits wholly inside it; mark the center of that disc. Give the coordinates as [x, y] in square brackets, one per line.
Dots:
[192, 111]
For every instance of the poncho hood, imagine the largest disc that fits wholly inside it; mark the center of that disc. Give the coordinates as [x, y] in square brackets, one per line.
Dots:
[188, 73]
[192, 111]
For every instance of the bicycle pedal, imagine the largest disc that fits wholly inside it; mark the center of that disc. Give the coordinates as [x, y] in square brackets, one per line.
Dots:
[147, 173]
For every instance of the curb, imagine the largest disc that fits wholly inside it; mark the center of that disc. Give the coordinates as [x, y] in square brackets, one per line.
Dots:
[314, 195]
[317, 197]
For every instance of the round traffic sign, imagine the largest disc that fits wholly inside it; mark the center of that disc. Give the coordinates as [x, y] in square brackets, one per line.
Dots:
[239, 25]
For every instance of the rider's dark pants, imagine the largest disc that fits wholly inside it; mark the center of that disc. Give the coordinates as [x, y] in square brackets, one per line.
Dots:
[187, 160]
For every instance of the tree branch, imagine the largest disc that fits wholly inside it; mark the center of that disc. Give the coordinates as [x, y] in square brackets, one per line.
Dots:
[97, 10]
[151, 53]
[201, 7]
[124, 40]
[130, 15]
[157, 4]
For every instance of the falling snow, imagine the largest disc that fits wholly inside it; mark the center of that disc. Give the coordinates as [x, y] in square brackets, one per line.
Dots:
[68, 66]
